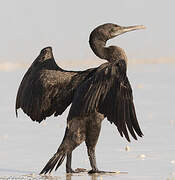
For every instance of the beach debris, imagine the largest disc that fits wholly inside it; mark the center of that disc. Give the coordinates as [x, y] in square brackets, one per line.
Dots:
[44, 123]
[127, 148]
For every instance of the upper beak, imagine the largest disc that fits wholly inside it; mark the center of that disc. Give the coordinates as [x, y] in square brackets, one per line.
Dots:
[132, 28]
[124, 29]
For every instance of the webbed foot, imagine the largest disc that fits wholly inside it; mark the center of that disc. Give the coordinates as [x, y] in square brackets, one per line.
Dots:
[70, 171]
[78, 170]
[100, 172]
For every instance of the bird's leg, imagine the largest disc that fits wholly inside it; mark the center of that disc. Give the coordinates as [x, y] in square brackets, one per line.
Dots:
[92, 159]
[69, 168]
[91, 143]
[68, 163]
[93, 131]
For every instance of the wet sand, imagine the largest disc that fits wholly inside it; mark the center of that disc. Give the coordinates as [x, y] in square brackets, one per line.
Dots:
[26, 146]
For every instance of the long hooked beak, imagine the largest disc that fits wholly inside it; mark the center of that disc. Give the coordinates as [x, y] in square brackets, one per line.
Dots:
[132, 28]
[123, 29]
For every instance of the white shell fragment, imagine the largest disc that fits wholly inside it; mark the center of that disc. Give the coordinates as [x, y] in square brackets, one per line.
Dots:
[127, 148]
[44, 123]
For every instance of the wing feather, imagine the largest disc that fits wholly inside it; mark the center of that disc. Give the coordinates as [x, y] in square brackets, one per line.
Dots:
[109, 92]
[47, 89]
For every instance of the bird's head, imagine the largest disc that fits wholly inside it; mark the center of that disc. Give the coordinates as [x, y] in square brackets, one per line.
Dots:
[108, 31]
[102, 33]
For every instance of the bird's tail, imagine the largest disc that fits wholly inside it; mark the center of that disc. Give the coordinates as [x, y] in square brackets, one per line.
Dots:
[56, 160]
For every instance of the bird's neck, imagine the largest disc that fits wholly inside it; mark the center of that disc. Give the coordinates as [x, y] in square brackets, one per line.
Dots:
[98, 47]
[111, 53]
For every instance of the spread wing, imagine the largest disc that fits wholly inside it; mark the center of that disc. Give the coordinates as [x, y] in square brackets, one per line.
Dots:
[47, 89]
[41, 91]
[109, 92]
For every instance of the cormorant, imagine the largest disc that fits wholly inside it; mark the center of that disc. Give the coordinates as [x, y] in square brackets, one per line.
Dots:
[95, 93]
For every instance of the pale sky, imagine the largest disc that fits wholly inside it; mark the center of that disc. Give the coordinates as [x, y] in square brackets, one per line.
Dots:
[29, 26]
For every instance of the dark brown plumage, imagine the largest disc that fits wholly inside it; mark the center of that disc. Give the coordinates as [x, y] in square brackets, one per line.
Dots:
[95, 93]
[47, 89]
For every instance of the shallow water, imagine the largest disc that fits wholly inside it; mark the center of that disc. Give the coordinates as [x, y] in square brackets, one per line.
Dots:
[26, 146]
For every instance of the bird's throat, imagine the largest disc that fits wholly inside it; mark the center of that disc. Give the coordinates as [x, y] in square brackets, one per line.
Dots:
[98, 47]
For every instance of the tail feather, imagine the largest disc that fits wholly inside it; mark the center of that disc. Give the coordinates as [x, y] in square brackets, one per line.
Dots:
[57, 158]
[60, 162]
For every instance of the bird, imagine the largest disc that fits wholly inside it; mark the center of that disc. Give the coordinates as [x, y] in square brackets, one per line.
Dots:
[95, 94]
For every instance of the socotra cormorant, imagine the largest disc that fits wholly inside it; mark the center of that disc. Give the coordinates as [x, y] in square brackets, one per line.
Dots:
[95, 93]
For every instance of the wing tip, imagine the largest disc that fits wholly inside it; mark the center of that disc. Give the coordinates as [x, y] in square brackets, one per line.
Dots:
[16, 112]
[135, 138]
